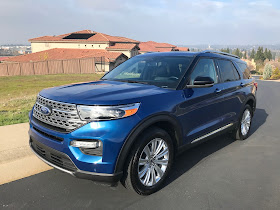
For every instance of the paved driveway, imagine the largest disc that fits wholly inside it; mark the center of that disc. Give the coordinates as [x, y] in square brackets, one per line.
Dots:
[219, 174]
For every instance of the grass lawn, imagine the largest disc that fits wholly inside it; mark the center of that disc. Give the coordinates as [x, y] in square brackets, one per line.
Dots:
[18, 93]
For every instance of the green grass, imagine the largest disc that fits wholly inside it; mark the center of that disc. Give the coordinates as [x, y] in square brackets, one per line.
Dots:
[18, 93]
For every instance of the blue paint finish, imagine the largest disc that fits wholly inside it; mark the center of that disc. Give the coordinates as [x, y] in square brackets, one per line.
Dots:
[197, 110]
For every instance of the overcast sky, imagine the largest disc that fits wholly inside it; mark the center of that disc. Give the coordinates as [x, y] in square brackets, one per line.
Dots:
[174, 21]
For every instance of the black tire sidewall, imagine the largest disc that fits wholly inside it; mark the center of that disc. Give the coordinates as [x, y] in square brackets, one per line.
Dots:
[144, 140]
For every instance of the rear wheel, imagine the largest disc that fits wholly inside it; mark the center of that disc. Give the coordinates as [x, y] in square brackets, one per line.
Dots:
[244, 124]
[149, 162]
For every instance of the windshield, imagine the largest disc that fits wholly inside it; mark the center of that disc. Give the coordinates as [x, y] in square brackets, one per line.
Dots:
[162, 71]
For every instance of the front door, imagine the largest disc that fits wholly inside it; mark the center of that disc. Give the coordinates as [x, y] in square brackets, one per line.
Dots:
[202, 111]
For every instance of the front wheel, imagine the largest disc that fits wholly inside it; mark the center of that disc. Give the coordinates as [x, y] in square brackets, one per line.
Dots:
[244, 124]
[149, 162]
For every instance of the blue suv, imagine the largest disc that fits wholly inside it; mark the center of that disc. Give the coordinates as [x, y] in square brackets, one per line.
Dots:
[129, 125]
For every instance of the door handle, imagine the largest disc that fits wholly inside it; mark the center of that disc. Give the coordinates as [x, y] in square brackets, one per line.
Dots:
[218, 90]
[242, 84]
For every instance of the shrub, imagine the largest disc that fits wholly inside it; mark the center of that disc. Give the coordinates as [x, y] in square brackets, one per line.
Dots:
[275, 74]
[255, 72]
[274, 77]
[267, 71]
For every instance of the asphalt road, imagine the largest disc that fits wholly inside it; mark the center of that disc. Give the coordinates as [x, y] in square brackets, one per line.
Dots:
[218, 174]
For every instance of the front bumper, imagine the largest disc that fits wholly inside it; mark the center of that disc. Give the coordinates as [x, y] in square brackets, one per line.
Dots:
[101, 177]
[99, 168]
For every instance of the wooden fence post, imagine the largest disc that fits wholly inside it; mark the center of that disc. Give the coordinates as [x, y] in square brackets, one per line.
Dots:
[48, 66]
[33, 68]
[7, 70]
[80, 66]
[62, 66]
[20, 69]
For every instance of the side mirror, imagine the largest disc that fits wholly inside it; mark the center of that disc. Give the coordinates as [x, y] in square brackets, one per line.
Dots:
[202, 82]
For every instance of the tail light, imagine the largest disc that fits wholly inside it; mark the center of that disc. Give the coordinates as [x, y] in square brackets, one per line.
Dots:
[256, 85]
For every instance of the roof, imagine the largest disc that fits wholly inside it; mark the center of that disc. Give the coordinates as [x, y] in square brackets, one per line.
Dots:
[96, 37]
[3, 58]
[64, 54]
[152, 46]
[122, 46]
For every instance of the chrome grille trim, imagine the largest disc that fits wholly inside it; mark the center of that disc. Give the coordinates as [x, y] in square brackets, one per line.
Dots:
[63, 115]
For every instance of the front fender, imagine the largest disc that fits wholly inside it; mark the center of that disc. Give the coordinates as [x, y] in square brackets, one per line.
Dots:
[144, 124]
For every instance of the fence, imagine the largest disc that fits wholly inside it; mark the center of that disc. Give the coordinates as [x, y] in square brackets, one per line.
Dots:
[72, 66]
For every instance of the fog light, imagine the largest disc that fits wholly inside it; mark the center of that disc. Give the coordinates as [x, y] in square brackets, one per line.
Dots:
[85, 144]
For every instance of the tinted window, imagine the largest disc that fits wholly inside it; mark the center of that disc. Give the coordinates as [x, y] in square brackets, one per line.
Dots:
[245, 70]
[228, 71]
[204, 68]
[162, 71]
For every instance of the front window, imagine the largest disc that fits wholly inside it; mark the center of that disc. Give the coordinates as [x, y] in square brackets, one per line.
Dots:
[204, 68]
[162, 71]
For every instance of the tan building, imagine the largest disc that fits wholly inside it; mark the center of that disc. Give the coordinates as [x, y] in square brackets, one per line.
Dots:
[86, 39]
[108, 51]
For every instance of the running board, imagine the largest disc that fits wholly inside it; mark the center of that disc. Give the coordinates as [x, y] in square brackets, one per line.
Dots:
[211, 133]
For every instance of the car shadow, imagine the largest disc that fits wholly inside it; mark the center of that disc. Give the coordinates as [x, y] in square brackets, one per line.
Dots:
[259, 119]
[188, 159]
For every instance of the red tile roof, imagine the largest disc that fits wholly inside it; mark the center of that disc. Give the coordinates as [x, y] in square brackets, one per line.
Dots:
[97, 37]
[152, 46]
[64, 54]
[3, 58]
[122, 46]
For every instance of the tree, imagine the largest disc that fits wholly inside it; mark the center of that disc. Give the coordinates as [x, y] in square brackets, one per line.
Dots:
[228, 50]
[237, 52]
[225, 50]
[245, 55]
[269, 55]
[266, 53]
[267, 71]
[253, 54]
[260, 55]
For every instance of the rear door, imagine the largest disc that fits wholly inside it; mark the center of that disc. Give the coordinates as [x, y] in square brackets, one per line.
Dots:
[231, 89]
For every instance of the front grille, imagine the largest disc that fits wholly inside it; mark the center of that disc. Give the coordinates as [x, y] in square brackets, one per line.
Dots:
[48, 135]
[63, 115]
[55, 157]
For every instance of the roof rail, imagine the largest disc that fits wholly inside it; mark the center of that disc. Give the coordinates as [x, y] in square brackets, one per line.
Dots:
[221, 53]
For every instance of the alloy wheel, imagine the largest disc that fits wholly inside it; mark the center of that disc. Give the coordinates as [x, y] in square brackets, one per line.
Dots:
[153, 162]
[245, 122]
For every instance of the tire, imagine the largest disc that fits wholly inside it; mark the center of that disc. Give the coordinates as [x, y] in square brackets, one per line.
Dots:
[135, 178]
[242, 131]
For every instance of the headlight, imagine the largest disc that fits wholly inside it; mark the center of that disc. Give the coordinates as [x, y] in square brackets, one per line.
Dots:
[107, 112]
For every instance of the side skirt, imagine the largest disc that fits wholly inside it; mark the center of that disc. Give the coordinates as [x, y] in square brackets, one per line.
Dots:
[212, 133]
[206, 137]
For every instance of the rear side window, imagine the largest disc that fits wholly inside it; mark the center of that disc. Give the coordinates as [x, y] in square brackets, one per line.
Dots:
[245, 70]
[228, 71]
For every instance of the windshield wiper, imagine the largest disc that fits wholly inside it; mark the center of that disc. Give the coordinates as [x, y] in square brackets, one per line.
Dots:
[133, 81]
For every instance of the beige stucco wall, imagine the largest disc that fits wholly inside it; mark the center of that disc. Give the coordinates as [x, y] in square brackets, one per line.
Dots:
[128, 53]
[101, 68]
[37, 47]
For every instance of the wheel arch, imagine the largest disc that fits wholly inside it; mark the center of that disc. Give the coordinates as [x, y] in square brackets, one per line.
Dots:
[251, 100]
[165, 121]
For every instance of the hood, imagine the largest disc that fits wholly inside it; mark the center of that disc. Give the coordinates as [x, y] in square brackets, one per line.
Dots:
[102, 93]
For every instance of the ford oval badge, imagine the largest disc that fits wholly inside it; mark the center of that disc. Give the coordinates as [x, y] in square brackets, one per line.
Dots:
[46, 110]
